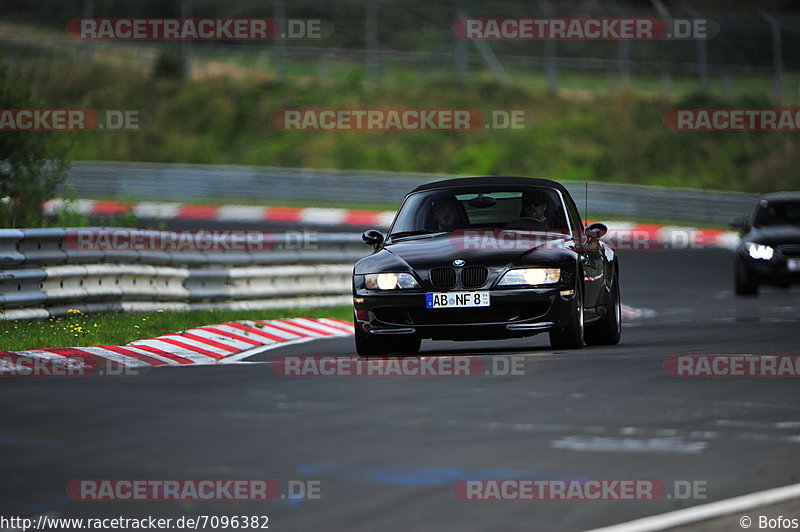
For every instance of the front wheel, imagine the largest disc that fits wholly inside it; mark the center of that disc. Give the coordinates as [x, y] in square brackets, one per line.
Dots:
[745, 284]
[608, 330]
[571, 336]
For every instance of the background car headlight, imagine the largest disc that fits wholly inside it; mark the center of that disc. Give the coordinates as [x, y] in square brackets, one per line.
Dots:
[760, 251]
[390, 281]
[531, 276]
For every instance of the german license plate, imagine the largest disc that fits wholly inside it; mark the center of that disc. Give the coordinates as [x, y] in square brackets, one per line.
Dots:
[456, 299]
[793, 265]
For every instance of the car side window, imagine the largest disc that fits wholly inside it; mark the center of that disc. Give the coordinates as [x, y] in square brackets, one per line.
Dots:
[574, 216]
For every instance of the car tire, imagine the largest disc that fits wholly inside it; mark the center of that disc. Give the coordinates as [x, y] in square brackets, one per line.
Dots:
[608, 330]
[406, 346]
[367, 346]
[746, 285]
[571, 336]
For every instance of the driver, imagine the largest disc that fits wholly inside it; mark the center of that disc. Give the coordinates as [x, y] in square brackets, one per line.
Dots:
[534, 205]
[446, 211]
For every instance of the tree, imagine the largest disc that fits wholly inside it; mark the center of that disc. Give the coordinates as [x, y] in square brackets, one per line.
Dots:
[32, 163]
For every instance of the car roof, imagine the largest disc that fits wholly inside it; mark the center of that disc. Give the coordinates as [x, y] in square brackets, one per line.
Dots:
[466, 182]
[781, 196]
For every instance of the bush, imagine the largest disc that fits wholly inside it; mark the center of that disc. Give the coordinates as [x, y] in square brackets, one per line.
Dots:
[168, 64]
[32, 163]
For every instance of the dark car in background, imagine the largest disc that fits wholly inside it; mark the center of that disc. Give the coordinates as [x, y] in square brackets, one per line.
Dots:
[486, 258]
[769, 252]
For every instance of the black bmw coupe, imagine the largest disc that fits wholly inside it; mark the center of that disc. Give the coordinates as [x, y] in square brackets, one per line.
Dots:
[769, 252]
[486, 258]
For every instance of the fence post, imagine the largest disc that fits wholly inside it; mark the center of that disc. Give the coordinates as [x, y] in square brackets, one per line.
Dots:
[371, 38]
[88, 46]
[727, 92]
[665, 80]
[461, 49]
[551, 67]
[777, 54]
[702, 64]
[186, 44]
[701, 45]
[486, 53]
[279, 14]
[624, 51]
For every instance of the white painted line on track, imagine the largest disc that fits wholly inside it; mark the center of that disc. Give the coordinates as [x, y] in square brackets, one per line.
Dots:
[667, 445]
[240, 357]
[708, 511]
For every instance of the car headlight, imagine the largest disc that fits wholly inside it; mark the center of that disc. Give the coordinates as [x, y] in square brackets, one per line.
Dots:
[390, 281]
[760, 251]
[531, 276]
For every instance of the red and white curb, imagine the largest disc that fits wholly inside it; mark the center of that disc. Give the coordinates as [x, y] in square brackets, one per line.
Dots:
[224, 343]
[228, 213]
[213, 344]
[626, 235]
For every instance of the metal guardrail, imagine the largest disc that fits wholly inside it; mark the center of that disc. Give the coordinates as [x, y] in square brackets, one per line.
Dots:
[188, 182]
[44, 273]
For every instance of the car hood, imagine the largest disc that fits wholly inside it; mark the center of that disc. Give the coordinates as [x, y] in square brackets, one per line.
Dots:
[775, 236]
[480, 248]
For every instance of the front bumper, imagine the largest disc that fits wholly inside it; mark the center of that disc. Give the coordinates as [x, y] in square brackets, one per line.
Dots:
[512, 313]
[773, 271]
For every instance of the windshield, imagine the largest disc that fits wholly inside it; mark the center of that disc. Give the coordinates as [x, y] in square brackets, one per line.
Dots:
[531, 209]
[771, 213]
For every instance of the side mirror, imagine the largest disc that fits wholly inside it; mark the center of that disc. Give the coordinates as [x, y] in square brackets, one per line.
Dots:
[373, 237]
[595, 231]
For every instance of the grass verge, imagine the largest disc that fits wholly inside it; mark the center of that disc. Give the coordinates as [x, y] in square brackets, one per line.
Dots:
[608, 137]
[80, 330]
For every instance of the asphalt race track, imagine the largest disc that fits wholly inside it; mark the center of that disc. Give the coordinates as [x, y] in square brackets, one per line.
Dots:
[388, 450]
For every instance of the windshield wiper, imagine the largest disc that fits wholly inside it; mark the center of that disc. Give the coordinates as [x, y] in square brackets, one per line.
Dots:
[414, 233]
